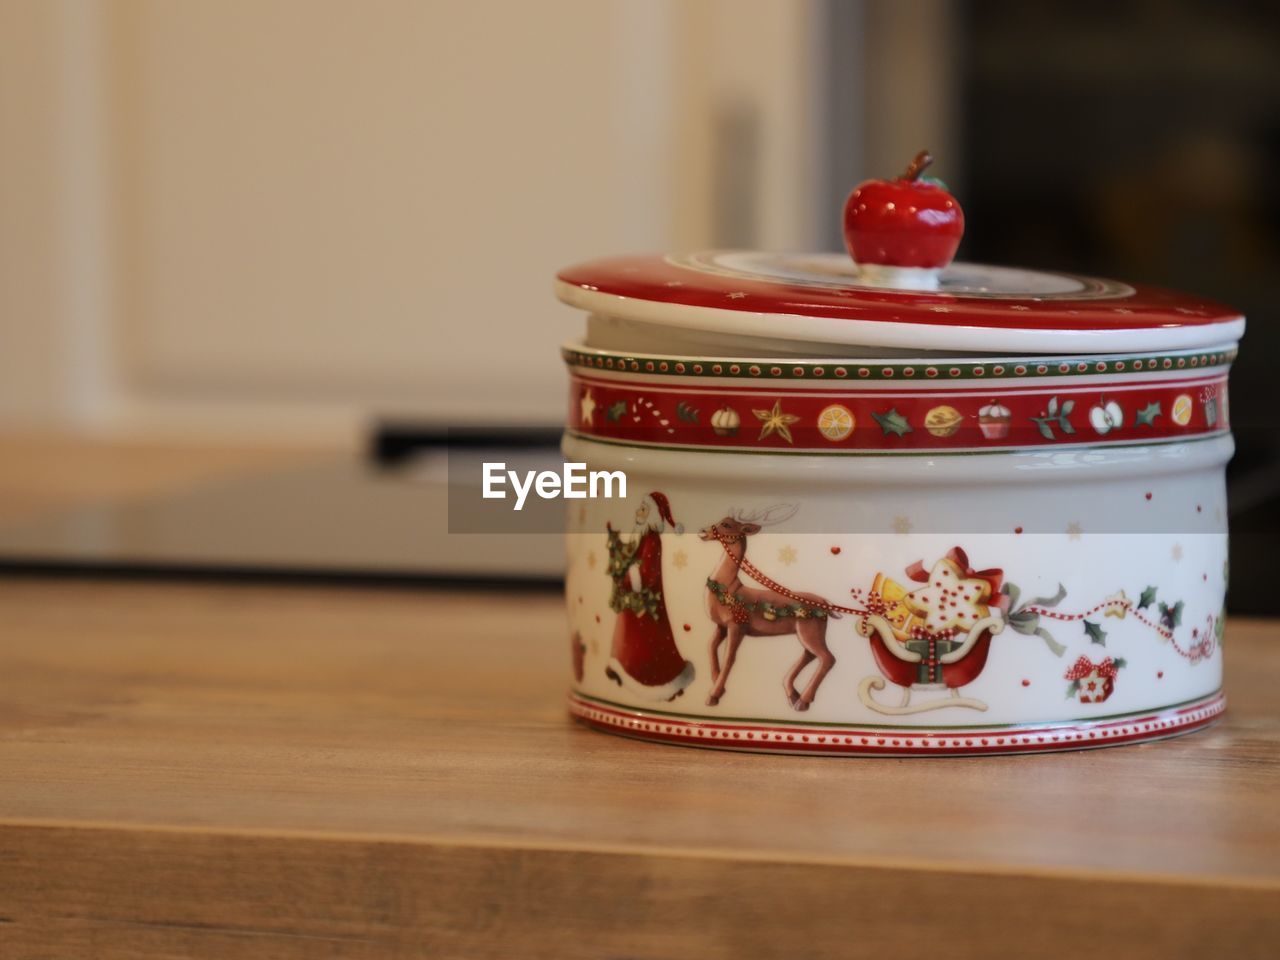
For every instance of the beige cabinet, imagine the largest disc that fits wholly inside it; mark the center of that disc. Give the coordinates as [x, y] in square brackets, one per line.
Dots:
[288, 216]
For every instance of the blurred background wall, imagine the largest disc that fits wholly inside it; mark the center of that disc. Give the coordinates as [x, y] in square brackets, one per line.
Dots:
[286, 219]
[285, 216]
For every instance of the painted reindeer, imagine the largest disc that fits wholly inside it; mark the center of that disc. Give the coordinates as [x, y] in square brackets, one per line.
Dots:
[740, 611]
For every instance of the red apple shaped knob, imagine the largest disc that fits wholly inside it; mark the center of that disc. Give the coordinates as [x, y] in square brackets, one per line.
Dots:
[902, 232]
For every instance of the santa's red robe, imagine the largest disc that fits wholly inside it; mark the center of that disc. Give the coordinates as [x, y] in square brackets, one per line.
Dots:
[644, 655]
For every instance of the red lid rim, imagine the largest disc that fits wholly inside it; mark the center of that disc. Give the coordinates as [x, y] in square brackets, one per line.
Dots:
[1103, 316]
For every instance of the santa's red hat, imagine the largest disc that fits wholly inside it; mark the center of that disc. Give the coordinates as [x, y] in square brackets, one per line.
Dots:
[664, 510]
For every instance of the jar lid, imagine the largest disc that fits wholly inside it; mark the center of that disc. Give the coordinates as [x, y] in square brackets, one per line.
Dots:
[824, 298]
[896, 289]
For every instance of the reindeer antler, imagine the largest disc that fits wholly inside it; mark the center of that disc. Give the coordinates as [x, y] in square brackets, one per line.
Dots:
[778, 513]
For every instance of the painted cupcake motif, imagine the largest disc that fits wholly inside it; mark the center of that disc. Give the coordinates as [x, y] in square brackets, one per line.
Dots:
[725, 422]
[994, 420]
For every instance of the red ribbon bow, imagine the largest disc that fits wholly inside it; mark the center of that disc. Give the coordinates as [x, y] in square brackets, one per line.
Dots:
[1084, 666]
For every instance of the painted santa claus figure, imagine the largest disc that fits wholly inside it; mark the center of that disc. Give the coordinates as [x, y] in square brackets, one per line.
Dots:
[644, 658]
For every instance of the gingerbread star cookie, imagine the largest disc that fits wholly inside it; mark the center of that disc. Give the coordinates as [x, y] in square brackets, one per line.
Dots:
[949, 600]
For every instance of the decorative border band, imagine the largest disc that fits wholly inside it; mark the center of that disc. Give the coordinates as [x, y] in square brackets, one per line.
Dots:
[872, 741]
[851, 420]
[1017, 368]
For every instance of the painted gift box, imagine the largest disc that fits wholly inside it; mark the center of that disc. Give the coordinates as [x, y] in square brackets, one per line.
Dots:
[885, 503]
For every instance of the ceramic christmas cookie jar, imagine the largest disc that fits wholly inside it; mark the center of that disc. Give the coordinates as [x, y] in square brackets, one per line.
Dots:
[883, 503]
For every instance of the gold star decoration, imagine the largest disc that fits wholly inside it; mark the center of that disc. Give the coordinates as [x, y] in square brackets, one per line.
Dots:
[1117, 605]
[680, 559]
[775, 421]
[787, 556]
[901, 524]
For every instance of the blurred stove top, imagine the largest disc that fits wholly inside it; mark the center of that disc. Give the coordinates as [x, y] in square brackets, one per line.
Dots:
[381, 517]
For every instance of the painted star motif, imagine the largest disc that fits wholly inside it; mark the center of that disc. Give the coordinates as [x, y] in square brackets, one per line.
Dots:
[1117, 605]
[736, 295]
[680, 559]
[775, 421]
[1176, 553]
[901, 524]
[949, 599]
[1074, 530]
[591, 560]
[787, 556]
[588, 407]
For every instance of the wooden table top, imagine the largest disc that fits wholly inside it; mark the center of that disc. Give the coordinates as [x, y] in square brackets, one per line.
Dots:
[218, 770]
[191, 769]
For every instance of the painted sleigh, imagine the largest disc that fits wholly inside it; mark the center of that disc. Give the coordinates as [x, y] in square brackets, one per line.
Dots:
[934, 637]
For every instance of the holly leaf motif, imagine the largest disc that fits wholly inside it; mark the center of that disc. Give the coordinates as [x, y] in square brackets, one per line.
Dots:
[892, 422]
[616, 411]
[1147, 599]
[1046, 431]
[1171, 616]
[1095, 633]
[1146, 417]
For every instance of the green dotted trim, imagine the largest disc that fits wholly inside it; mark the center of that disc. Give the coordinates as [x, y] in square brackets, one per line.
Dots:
[827, 371]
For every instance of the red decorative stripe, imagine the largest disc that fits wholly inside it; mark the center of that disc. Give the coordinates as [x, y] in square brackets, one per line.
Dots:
[935, 419]
[850, 741]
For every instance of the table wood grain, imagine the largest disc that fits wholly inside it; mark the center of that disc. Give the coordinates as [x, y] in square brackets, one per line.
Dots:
[263, 771]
